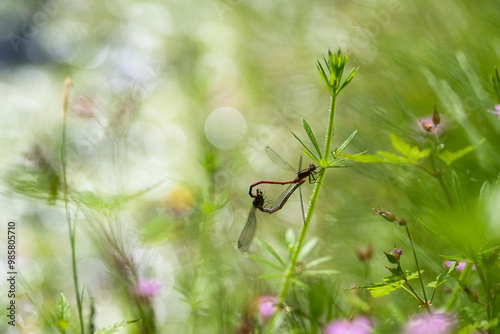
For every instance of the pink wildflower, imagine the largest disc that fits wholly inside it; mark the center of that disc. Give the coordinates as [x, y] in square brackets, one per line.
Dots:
[266, 307]
[359, 325]
[497, 112]
[439, 323]
[147, 288]
[460, 267]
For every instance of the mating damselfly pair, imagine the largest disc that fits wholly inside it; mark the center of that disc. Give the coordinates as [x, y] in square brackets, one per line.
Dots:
[259, 200]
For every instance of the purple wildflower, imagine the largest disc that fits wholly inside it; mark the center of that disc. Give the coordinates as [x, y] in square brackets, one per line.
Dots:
[147, 288]
[266, 307]
[439, 323]
[497, 112]
[359, 325]
[460, 267]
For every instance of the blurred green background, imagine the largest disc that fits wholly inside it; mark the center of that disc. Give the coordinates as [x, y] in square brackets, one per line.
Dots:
[184, 97]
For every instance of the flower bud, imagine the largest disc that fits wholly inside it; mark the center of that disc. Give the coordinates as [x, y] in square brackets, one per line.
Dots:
[390, 217]
[365, 255]
[435, 117]
[394, 255]
[428, 127]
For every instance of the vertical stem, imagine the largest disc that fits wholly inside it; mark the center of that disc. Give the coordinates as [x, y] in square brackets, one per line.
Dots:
[71, 227]
[452, 302]
[329, 132]
[418, 267]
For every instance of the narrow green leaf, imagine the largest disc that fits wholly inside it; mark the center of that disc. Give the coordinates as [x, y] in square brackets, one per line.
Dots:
[270, 250]
[306, 249]
[433, 195]
[290, 237]
[365, 158]
[311, 154]
[485, 192]
[319, 272]
[313, 158]
[348, 79]
[300, 284]
[346, 142]
[318, 261]
[264, 261]
[400, 145]
[115, 327]
[346, 166]
[323, 75]
[458, 189]
[310, 133]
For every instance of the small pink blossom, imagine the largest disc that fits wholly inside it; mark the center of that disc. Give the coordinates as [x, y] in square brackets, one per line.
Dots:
[460, 267]
[147, 288]
[266, 306]
[496, 112]
[439, 323]
[359, 325]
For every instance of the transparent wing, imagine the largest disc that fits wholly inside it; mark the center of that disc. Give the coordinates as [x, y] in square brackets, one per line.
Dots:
[278, 160]
[248, 232]
[281, 197]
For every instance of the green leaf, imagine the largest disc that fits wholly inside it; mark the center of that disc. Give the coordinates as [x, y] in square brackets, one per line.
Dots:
[115, 327]
[365, 158]
[416, 154]
[450, 157]
[306, 249]
[441, 278]
[63, 313]
[400, 145]
[458, 189]
[392, 283]
[300, 284]
[323, 75]
[318, 261]
[313, 158]
[310, 133]
[264, 261]
[485, 192]
[290, 237]
[393, 158]
[319, 272]
[432, 193]
[348, 79]
[311, 154]
[346, 143]
[270, 250]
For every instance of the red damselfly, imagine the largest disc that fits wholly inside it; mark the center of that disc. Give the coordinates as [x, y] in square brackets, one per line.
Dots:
[248, 232]
[280, 162]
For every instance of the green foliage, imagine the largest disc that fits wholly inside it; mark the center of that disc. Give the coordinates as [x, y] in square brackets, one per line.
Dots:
[115, 327]
[63, 313]
[442, 277]
[335, 64]
[392, 283]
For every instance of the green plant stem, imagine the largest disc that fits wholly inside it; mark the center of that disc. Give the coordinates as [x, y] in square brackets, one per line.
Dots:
[329, 131]
[452, 302]
[312, 204]
[71, 227]
[484, 281]
[412, 292]
[418, 267]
